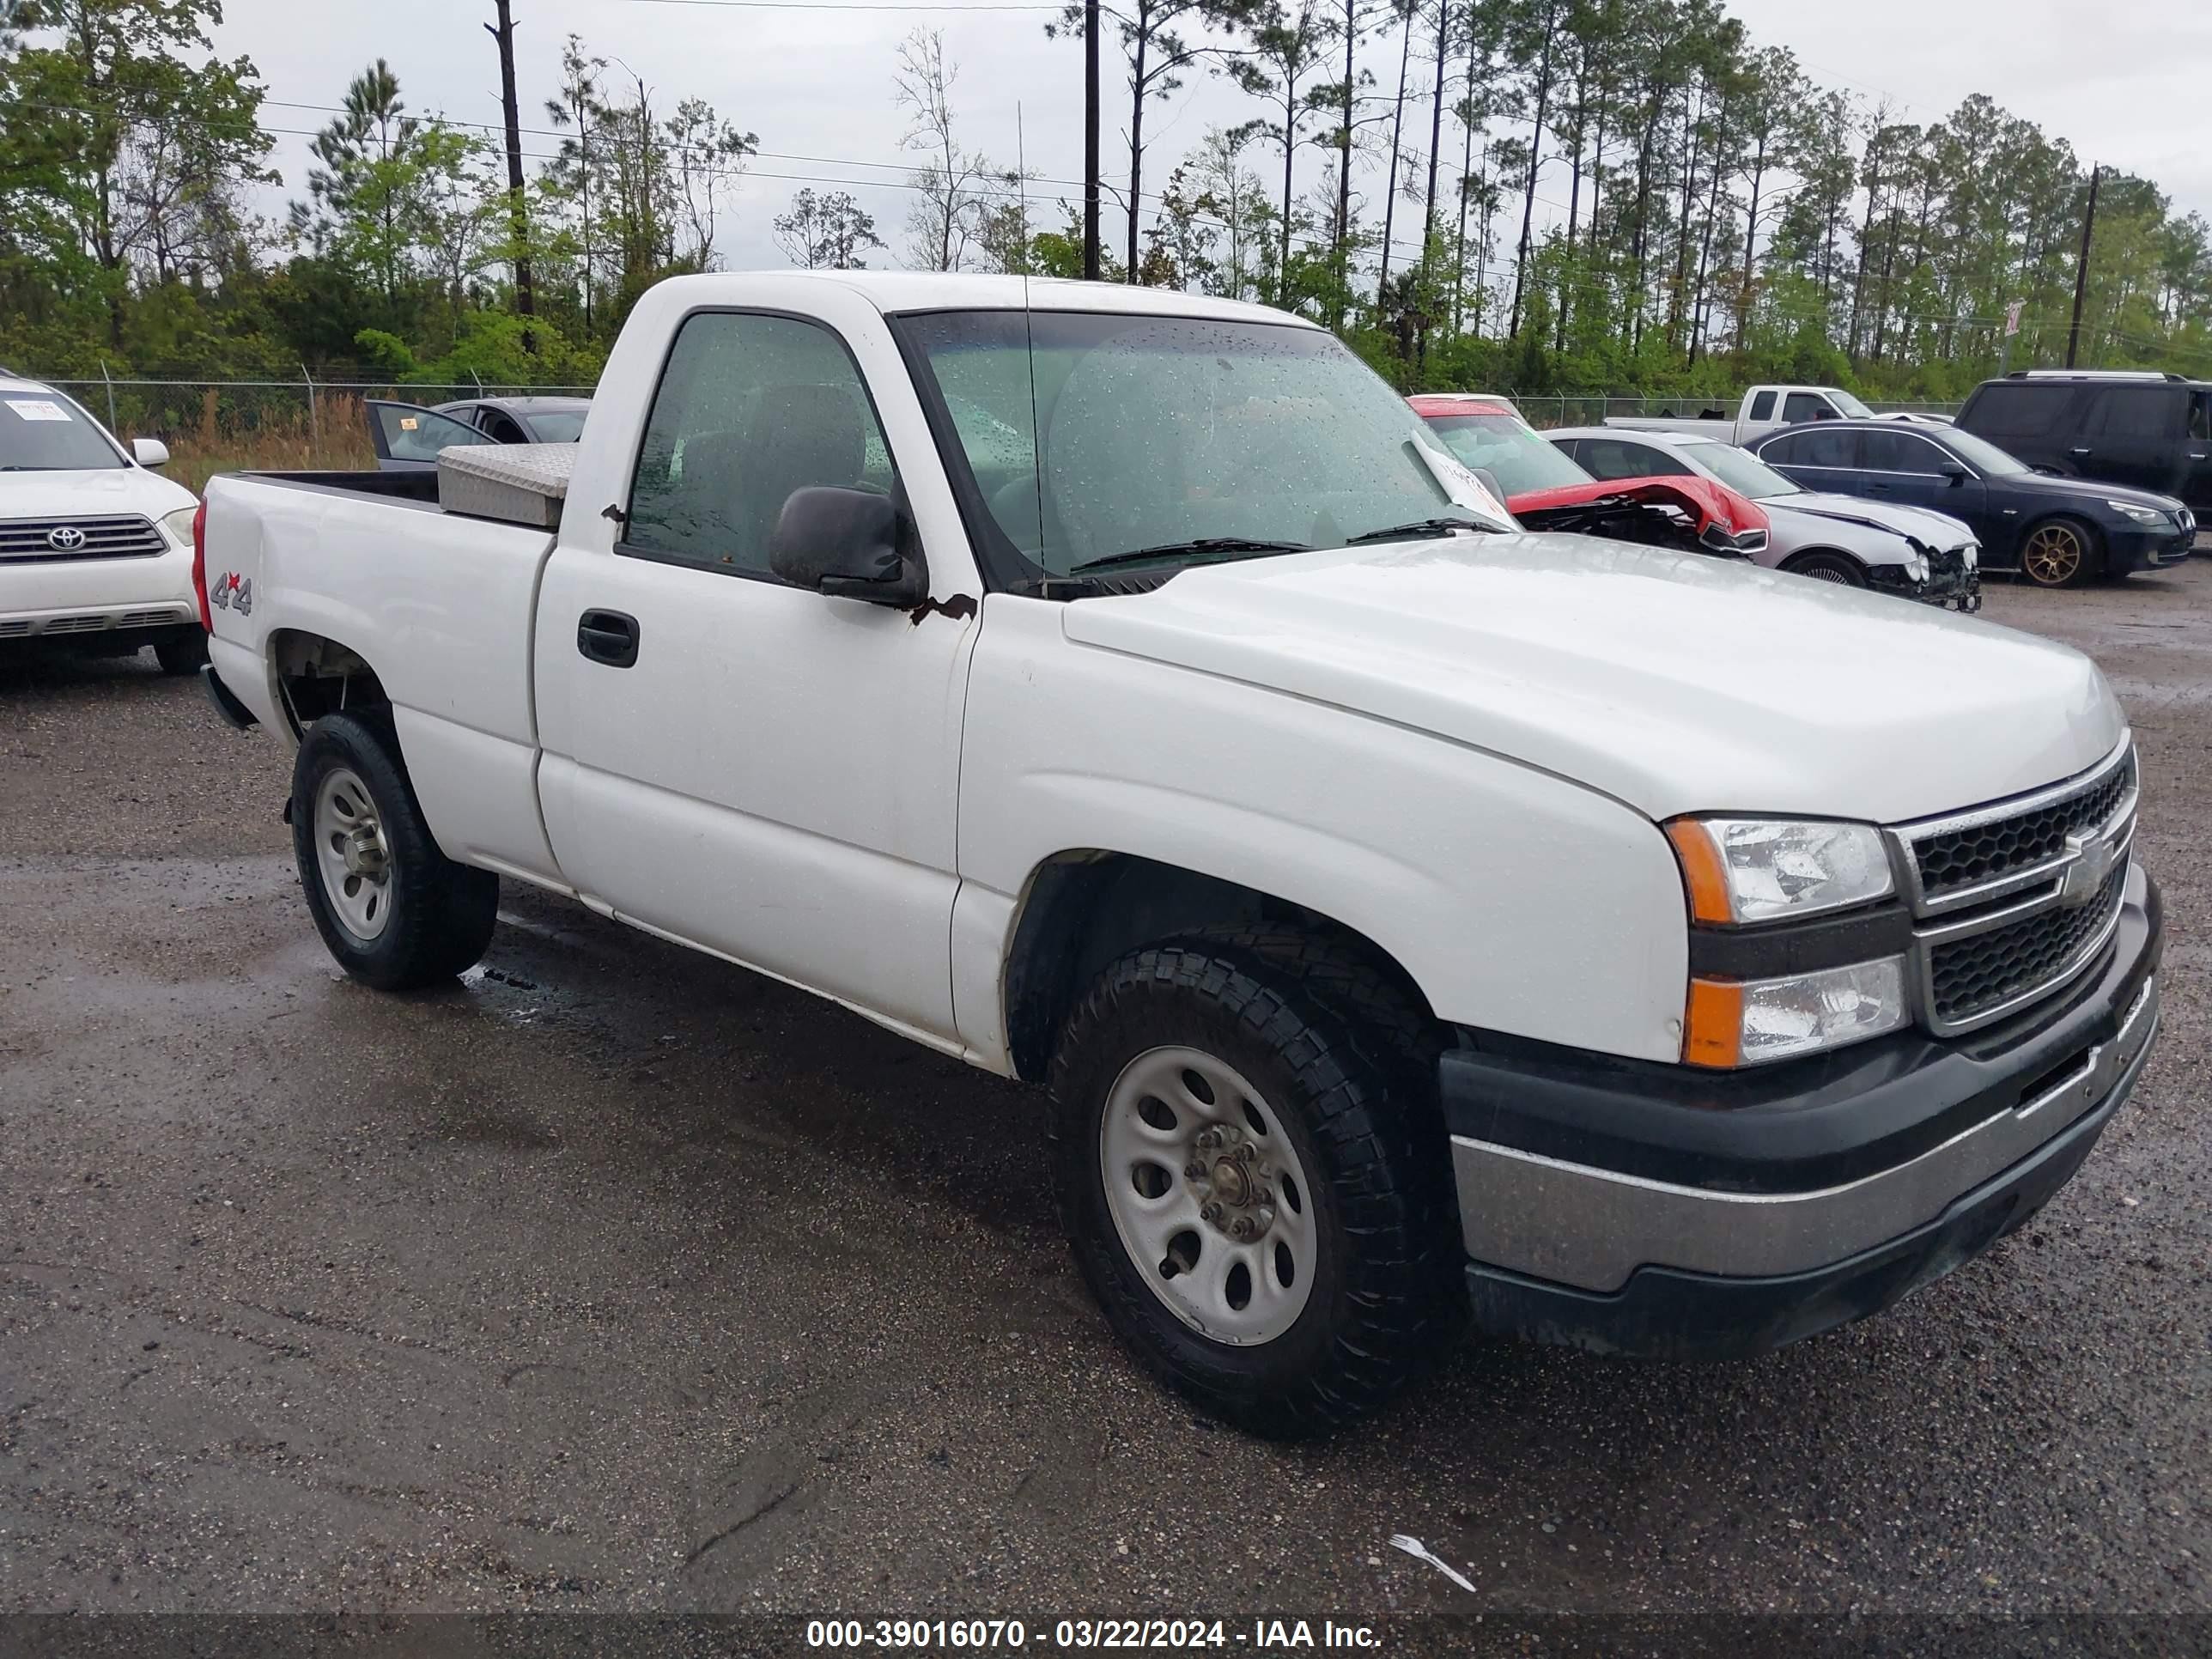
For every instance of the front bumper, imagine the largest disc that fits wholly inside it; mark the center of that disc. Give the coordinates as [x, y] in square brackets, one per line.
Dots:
[2134, 548]
[57, 598]
[1623, 1206]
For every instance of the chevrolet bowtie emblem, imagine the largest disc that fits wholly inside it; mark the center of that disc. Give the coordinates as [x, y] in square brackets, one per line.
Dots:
[2092, 862]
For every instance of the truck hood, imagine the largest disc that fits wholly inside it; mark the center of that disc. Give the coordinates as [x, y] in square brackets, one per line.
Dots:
[1923, 524]
[1675, 682]
[97, 492]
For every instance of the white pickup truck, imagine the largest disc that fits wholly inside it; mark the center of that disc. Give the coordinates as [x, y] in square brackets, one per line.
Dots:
[1764, 409]
[1121, 689]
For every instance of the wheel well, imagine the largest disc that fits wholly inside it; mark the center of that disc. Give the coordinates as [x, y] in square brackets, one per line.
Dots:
[1086, 910]
[2091, 536]
[320, 676]
[1804, 554]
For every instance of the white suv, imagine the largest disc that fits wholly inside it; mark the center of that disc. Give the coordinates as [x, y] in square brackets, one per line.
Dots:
[95, 547]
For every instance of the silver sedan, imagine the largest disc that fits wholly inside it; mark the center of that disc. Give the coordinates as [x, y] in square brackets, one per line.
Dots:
[1912, 550]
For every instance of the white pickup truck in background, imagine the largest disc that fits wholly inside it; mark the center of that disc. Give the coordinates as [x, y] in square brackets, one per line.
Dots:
[1764, 409]
[1123, 688]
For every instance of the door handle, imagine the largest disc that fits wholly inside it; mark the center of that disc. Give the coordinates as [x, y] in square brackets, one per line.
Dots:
[608, 636]
[2078, 452]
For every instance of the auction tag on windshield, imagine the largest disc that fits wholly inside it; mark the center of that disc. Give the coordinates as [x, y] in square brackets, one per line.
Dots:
[407, 422]
[37, 409]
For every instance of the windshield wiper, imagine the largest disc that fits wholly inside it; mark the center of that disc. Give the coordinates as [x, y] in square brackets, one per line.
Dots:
[1202, 544]
[1399, 532]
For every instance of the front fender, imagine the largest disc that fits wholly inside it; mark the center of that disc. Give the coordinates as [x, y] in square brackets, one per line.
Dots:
[1516, 900]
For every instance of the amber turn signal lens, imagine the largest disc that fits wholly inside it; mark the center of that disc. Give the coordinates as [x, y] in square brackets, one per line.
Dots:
[1713, 1024]
[1704, 877]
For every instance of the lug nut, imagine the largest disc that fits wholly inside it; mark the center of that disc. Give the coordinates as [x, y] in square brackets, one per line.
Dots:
[1242, 1227]
[1194, 1169]
[1207, 1139]
[1209, 1212]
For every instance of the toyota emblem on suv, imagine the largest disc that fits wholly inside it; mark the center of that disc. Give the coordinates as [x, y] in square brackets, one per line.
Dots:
[65, 538]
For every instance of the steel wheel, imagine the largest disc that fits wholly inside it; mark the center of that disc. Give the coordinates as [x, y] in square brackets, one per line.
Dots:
[351, 854]
[1208, 1195]
[2055, 555]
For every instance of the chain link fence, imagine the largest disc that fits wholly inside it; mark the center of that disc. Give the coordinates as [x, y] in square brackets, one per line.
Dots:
[221, 426]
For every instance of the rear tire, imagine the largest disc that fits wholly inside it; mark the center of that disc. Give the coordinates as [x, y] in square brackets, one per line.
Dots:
[1344, 1188]
[184, 652]
[1837, 568]
[395, 911]
[2059, 552]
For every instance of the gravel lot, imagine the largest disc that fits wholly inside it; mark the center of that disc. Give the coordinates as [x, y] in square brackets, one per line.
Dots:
[616, 1279]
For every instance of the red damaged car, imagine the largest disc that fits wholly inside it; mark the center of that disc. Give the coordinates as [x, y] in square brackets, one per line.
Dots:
[1545, 491]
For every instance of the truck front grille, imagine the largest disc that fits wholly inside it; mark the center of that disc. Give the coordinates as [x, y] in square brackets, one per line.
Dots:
[38, 541]
[2015, 963]
[1995, 848]
[2014, 901]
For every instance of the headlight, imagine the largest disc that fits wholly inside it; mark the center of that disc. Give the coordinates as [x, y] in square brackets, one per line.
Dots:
[1973, 552]
[1916, 567]
[179, 524]
[1742, 1023]
[1741, 870]
[2141, 514]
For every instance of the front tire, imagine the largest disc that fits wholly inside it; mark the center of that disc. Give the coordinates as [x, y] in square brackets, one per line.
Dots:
[183, 653]
[1265, 1221]
[395, 911]
[2059, 553]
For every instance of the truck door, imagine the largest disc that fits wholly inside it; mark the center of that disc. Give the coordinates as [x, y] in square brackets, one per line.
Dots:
[730, 760]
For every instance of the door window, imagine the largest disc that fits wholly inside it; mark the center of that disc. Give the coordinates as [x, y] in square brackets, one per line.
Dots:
[1834, 450]
[2200, 416]
[504, 428]
[751, 409]
[2018, 409]
[417, 434]
[1898, 452]
[2137, 412]
[1609, 458]
[1762, 406]
[1806, 406]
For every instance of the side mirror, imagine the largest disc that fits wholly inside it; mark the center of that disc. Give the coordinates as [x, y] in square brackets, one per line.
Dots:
[1954, 471]
[846, 543]
[149, 452]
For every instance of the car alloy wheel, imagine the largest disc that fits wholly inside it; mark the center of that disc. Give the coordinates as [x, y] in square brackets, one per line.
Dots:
[2053, 555]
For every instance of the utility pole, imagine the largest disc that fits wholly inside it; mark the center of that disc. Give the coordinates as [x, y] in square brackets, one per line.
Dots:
[526, 298]
[2081, 269]
[1090, 141]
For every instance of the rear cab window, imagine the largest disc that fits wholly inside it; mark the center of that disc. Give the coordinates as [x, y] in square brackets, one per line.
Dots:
[1762, 406]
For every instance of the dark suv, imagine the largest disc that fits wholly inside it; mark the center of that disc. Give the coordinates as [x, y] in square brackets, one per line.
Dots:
[2153, 431]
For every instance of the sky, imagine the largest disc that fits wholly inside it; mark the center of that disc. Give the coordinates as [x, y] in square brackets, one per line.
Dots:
[2124, 80]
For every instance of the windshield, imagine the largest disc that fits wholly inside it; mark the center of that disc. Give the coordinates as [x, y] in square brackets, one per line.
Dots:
[557, 426]
[1982, 455]
[1093, 436]
[1510, 450]
[1851, 405]
[1741, 471]
[46, 432]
